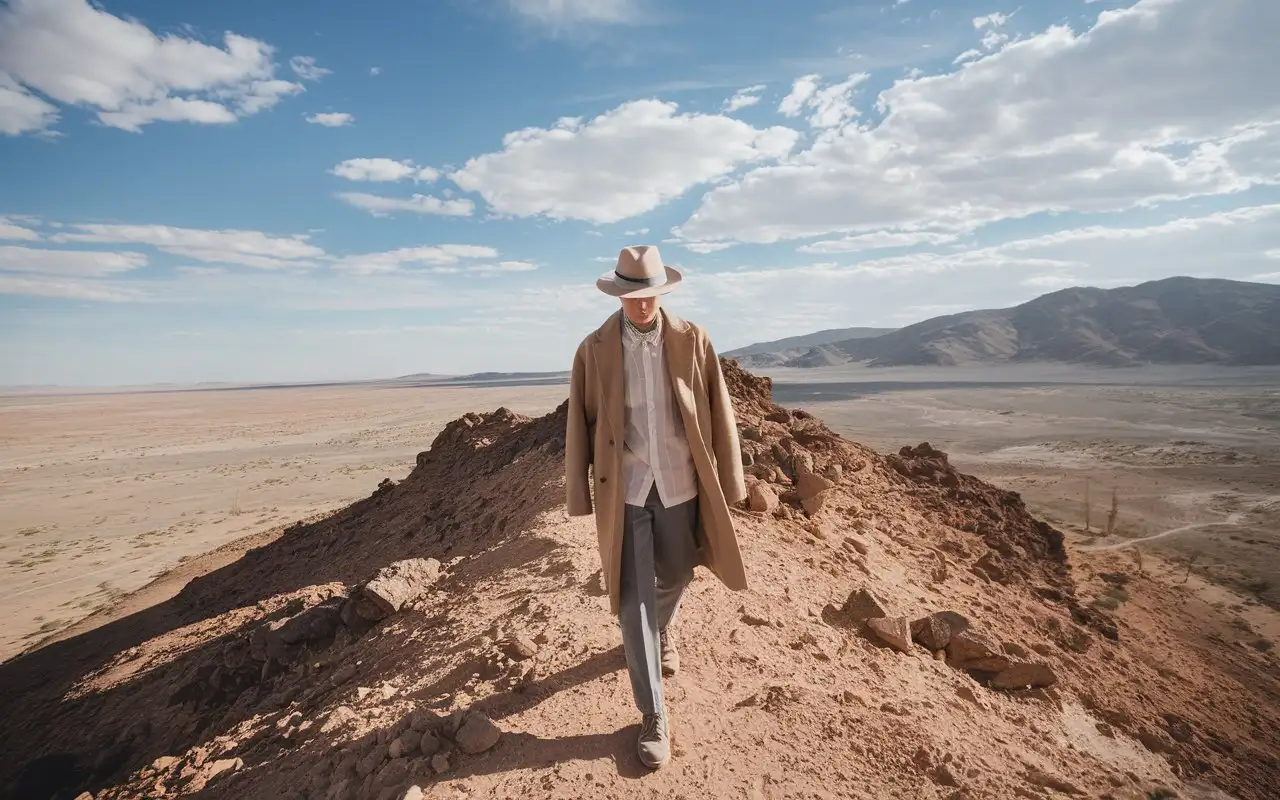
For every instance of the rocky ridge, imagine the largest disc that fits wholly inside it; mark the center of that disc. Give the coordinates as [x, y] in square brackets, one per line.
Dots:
[910, 631]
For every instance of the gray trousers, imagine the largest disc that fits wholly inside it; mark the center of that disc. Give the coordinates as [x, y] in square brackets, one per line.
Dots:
[658, 557]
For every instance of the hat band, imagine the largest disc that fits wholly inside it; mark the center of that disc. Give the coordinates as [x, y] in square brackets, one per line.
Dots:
[655, 281]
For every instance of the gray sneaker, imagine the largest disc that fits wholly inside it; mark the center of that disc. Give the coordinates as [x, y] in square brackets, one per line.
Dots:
[654, 745]
[670, 655]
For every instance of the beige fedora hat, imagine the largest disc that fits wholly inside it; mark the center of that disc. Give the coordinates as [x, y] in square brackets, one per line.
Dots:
[640, 273]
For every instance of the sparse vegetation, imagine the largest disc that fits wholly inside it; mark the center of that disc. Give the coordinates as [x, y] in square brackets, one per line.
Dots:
[1263, 645]
[29, 531]
[1115, 510]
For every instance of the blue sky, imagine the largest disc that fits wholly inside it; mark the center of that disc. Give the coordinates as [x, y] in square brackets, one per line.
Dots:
[235, 192]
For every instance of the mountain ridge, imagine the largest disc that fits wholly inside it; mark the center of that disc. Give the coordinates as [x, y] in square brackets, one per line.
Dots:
[1177, 320]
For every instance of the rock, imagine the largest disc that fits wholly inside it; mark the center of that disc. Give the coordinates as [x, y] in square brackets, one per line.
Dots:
[84, 796]
[973, 650]
[519, 648]
[265, 643]
[412, 793]
[477, 734]
[440, 763]
[894, 631]
[1021, 674]
[372, 762]
[1154, 741]
[756, 621]
[394, 773]
[424, 720]
[943, 776]
[857, 544]
[934, 631]
[862, 605]
[761, 498]
[429, 744]
[318, 622]
[833, 473]
[396, 584]
[810, 484]
[164, 763]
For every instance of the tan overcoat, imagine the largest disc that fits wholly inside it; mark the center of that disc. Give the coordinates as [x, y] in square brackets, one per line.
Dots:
[597, 427]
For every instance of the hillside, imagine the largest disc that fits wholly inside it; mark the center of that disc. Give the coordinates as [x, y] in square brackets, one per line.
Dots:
[481, 659]
[1171, 321]
[792, 346]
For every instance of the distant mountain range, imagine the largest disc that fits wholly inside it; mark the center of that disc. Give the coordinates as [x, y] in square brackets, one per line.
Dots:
[811, 346]
[1172, 321]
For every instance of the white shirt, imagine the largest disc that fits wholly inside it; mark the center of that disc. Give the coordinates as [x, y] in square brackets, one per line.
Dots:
[655, 450]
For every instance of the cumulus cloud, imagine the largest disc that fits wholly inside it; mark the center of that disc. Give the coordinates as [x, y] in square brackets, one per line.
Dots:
[244, 247]
[743, 98]
[77, 54]
[383, 206]
[619, 164]
[990, 20]
[1095, 121]
[828, 106]
[335, 119]
[384, 170]
[67, 289]
[877, 240]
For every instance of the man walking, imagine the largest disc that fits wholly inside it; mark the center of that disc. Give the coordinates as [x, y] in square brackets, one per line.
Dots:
[650, 415]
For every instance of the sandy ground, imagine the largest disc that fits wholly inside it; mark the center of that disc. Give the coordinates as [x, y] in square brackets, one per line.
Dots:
[100, 493]
[1195, 470]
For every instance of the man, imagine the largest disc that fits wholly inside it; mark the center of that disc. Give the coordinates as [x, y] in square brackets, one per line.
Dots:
[651, 416]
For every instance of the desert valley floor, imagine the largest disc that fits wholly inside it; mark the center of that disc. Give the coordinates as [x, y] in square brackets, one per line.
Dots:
[106, 493]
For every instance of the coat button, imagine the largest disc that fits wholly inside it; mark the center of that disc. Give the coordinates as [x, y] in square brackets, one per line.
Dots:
[611, 443]
[603, 479]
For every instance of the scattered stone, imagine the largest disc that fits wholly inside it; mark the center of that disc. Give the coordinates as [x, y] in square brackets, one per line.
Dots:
[440, 763]
[319, 622]
[371, 762]
[934, 631]
[856, 543]
[1154, 741]
[752, 619]
[812, 489]
[477, 734]
[412, 793]
[396, 584]
[973, 650]
[519, 647]
[164, 763]
[966, 693]
[894, 631]
[338, 718]
[862, 605]
[429, 744]
[1022, 674]
[761, 498]
[1106, 730]
[394, 773]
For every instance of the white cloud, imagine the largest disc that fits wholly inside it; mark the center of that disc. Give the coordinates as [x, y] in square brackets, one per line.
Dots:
[396, 260]
[798, 97]
[743, 98]
[305, 67]
[21, 111]
[993, 20]
[67, 288]
[382, 206]
[335, 119]
[877, 240]
[243, 247]
[967, 55]
[76, 263]
[1098, 121]
[993, 39]
[622, 163]
[559, 13]
[383, 169]
[78, 54]
[11, 231]
[375, 71]
[637, 232]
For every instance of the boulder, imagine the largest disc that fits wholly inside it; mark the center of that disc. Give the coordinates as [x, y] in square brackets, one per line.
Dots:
[1022, 674]
[477, 734]
[973, 650]
[863, 605]
[893, 631]
[396, 584]
[934, 631]
[761, 498]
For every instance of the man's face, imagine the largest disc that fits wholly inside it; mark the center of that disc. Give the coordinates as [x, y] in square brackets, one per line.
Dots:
[640, 310]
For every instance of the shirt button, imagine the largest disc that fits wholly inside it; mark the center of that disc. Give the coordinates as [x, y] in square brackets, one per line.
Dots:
[603, 479]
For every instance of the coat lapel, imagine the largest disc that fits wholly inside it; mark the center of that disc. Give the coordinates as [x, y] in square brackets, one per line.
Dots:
[678, 344]
[608, 353]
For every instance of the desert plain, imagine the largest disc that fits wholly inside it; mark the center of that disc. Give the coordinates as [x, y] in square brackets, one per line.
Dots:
[104, 492]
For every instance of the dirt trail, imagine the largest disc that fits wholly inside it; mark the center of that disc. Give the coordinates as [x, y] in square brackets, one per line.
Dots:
[262, 678]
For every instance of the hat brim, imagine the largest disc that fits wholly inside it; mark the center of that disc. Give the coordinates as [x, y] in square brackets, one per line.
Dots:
[610, 285]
